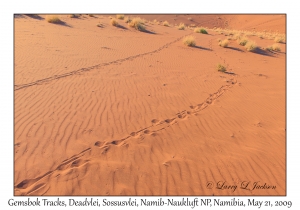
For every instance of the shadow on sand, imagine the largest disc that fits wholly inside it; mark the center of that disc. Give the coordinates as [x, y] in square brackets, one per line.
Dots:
[122, 27]
[62, 23]
[235, 48]
[263, 52]
[37, 17]
[148, 32]
[202, 48]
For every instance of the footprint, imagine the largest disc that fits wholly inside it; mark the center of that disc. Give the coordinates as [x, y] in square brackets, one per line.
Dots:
[98, 143]
[146, 132]
[116, 142]
[169, 120]
[154, 121]
[78, 163]
[133, 134]
[153, 134]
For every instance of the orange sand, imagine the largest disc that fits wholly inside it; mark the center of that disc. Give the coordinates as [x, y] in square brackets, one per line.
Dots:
[114, 111]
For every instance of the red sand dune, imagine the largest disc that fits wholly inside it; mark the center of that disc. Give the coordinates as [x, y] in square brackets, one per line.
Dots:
[115, 111]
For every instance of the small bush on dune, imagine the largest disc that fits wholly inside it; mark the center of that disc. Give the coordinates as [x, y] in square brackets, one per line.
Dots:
[138, 24]
[53, 19]
[121, 17]
[274, 47]
[91, 15]
[127, 20]
[181, 26]
[242, 41]
[114, 22]
[224, 43]
[200, 30]
[279, 39]
[166, 23]
[189, 41]
[251, 46]
[221, 68]
[203, 31]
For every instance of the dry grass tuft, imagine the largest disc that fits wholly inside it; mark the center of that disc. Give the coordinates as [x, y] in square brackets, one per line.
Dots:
[279, 39]
[121, 17]
[127, 20]
[221, 68]
[189, 41]
[200, 30]
[114, 22]
[53, 19]
[166, 23]
[242, 40]
[251, 46]
[73, 16]
[274, 47]
[138, 24]
[181, 26]
[224, 43]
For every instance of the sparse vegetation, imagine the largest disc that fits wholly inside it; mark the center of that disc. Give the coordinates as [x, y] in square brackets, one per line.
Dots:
[127, 20]
[181, 26]
[200, 30]
[138, 24]
[114, 22]
[224, 43]
[251, 46]
[73, 16]
[53, 19]
[274, 47]
[91, 15]
[242, 40]
[279, 39]
[189, 41]
[166, 23]
[121, 17]
[221, 68]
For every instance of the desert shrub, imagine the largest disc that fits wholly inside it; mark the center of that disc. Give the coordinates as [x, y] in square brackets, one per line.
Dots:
[224, 43]
[114, 22]
[181, 26]
[91, 15]
[127, 20]
[189, 41]
[242, 41]
[274, 47]
[279, 39]
[138, 24]
[166, 23]
[200, 30]
[251, 46]
[221, 68]
[121, 17]
[53, 19]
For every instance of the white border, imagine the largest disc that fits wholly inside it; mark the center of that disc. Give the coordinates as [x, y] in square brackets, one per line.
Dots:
[154, 6]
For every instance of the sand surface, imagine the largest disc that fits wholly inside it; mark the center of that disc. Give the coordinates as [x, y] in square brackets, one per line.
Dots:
[115, 111]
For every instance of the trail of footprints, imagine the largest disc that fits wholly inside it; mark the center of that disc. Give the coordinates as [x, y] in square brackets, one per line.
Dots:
[158, 125]
[79, 71]
[28, 186]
